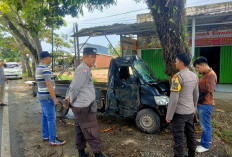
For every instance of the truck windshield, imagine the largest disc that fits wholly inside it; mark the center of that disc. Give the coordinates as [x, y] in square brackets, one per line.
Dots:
[144, 71]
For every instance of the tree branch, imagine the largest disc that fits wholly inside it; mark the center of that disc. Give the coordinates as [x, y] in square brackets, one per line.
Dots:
[25, 41]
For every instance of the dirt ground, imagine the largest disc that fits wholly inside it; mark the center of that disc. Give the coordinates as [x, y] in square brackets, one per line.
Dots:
[124, 141]
[101, 75]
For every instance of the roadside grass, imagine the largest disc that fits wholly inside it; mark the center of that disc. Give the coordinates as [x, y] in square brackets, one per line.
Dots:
[224, 134]
[25, 74]
[98, 68]
[65, 77]
[27, 78]
[95, 80]
[228, 150]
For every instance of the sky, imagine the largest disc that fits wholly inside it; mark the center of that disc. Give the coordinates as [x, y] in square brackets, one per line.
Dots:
[98, 18]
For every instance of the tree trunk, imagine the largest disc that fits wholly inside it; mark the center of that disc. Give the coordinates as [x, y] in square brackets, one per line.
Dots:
[24, 39]
[28, 66]
[23, 63]
[33, 66]
[37, 45]
[170, 22]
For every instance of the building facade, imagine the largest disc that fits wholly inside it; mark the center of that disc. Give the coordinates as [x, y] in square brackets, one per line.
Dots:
[212, 25]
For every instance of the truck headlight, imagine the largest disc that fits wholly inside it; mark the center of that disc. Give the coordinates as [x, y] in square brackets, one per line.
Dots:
[161, 100]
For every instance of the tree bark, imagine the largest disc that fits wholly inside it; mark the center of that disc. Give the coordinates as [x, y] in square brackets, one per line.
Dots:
[23, 63]
[24, 39]
[170, 24]
[33, 66]
[37, 44]
[28, 66]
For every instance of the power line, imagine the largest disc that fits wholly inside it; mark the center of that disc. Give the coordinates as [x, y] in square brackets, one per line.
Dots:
[107, 22]
[113, 15]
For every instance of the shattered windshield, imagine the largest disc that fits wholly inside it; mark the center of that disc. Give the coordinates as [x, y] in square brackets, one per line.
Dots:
[144, 71]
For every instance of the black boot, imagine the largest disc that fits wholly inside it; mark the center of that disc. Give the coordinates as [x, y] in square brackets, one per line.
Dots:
[99, 155]
[82, 153]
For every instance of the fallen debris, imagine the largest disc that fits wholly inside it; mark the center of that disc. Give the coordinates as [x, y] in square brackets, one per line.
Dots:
[112, 128]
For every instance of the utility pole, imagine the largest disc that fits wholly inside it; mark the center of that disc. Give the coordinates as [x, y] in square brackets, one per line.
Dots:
[121, 45]
[78, 49]
[52, 50]
[75, 50]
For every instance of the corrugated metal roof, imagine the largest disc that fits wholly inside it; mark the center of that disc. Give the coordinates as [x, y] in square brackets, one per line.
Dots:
[216, 13]
[100, 49]
[134, 28]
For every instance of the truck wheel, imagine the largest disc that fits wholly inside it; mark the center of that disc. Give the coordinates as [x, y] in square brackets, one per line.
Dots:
[147, 121]
[34, 90]
[61, 111]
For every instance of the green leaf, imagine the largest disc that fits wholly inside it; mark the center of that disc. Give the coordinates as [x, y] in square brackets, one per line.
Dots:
[154, 7]
[158, 11]
[175, 9]
[171, 20]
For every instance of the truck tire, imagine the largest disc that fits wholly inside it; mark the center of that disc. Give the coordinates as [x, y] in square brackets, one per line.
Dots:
[147, 121]
[34, 90]
[61, 111]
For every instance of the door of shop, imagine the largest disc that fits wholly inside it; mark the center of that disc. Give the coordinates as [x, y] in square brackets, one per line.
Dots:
[213, 56]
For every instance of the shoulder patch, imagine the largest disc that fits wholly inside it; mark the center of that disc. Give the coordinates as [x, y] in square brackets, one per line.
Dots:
[84, 70]
[176, 87]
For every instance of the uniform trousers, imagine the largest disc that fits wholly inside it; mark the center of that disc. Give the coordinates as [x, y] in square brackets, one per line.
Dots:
[86, 128]
[181, 126]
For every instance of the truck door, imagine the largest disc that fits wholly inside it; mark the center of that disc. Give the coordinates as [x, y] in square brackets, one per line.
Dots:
[127, 92]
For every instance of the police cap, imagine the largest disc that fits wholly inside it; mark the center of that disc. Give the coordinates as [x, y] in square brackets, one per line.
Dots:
[90, 51]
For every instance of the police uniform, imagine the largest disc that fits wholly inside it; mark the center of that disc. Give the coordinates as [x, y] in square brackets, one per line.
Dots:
[181, 109]
[82, 99]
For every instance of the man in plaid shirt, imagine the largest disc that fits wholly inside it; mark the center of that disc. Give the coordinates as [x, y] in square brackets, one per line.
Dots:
[205, 105]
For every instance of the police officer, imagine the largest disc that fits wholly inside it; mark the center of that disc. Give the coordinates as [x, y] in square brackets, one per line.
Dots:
[181, 108]
[81, 96]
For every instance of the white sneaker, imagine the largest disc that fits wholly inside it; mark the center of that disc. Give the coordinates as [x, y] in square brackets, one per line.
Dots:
[201, 149]
[199, 140]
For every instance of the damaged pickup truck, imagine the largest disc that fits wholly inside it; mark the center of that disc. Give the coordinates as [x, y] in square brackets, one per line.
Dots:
[132, 91]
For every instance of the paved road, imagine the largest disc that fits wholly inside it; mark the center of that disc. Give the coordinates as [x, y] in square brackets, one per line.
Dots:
[10, 117]
[1, 113]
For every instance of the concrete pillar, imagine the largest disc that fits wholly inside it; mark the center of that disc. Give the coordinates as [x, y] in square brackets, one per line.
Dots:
[139, 53]
[193, 35]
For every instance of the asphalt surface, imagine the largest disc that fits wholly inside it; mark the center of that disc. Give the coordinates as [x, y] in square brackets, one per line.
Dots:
[15, 115]
[1, 114]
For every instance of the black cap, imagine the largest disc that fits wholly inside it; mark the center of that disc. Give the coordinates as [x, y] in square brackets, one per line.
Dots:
[44, 54]
[90, 51]
[184, 57]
